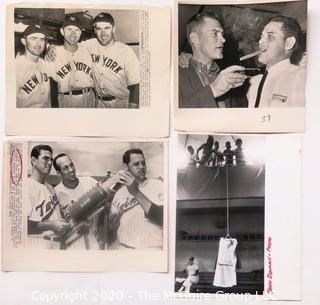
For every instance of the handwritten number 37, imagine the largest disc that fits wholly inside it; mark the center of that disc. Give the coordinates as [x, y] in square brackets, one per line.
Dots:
[266, 118]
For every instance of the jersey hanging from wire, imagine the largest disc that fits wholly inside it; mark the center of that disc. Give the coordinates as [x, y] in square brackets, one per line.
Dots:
[225, 274]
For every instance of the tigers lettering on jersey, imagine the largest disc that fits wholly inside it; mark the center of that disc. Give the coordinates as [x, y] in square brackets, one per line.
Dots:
[33, 82]
[127, 204]
[107, 62]
[46, 208]
[80, 66]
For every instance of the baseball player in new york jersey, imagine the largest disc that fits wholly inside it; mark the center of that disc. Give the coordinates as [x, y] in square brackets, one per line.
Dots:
[116, 70]
[70, 189]
[32, 81]
[137, 209]
[72, 68]
[44, 219]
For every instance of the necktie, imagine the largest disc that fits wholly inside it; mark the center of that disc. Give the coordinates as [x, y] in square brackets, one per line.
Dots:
[263, 79]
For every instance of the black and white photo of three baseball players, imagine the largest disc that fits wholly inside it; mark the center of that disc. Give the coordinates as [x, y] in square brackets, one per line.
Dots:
[77, 63]
[72, 210]
[241, 56]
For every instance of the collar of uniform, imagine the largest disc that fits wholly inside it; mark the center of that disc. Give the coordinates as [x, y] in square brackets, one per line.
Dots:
[279, 66]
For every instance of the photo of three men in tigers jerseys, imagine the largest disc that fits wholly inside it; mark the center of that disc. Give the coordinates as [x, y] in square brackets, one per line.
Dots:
[85, 206]
[76, 64]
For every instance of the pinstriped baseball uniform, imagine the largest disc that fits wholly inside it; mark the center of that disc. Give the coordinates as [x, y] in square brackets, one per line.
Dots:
[135, 230]
[115, 67]
[73, 71]
[33, 84]
[65, 196]
[42, 205]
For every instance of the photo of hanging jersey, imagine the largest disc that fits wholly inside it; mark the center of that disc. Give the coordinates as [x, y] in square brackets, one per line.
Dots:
[225, 274]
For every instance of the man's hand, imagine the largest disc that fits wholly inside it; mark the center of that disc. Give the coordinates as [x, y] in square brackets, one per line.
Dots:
[133, 105]
[84, 229]
[59, 227]
[111, 182]
[129, 181]
[114, 220]
[51, 54]
[227, 79]
[184, 59]
[152, 211]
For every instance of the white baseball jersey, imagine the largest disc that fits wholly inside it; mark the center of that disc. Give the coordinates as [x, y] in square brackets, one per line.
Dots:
[192, 269]
[192, 277]
[135, 230]
[73, 71]
[65, 196]
[283, 87]
[115, 67]
[42, 205]
[32, 83]
[225, 274]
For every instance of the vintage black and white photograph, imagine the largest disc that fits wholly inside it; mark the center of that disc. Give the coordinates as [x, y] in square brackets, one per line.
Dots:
[76, 196]
[93, 66]
[242, 55]
[220, 218]
[77, 58]
[69, 185]
[232, 66]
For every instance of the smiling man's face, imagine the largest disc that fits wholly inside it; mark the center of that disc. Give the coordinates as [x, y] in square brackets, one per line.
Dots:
[35, 43]
[273, 42]
[67, 169]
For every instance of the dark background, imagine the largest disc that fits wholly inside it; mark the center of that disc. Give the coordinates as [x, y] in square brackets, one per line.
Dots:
[201, 217]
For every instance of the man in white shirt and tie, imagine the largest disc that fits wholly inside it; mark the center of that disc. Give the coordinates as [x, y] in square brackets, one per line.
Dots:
[283, 82]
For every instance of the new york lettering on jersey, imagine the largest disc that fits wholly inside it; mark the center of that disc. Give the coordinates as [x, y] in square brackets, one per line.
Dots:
[72, 70]
[33, 85]
[79, 66]
[115, 67]
[110, 75]
[34, 81]
[107, 62]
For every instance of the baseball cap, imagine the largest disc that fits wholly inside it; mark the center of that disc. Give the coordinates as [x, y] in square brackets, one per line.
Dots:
[71, 20]
[103, 17]
[36, 28]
